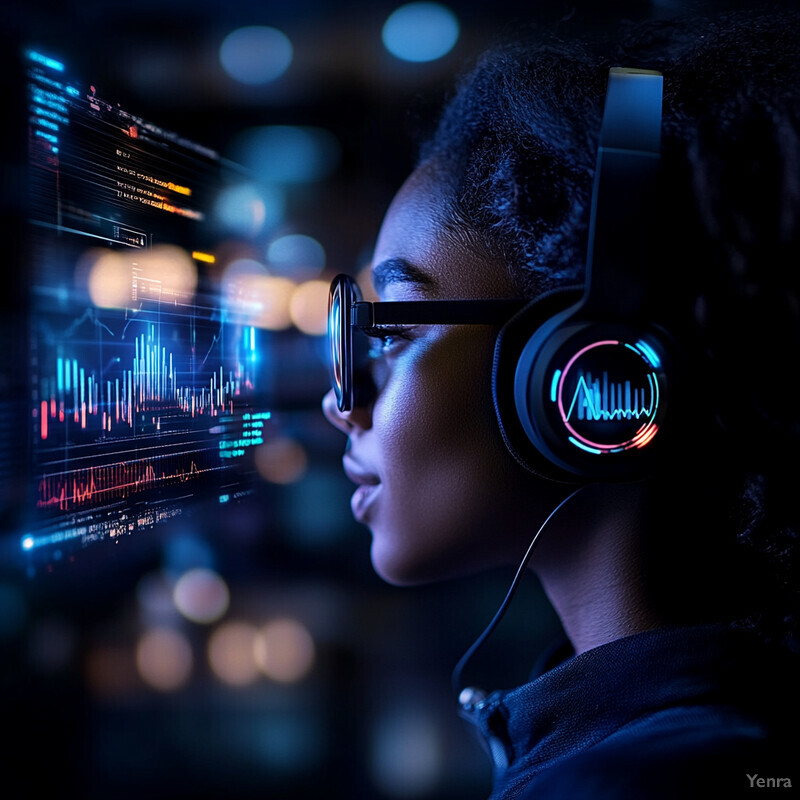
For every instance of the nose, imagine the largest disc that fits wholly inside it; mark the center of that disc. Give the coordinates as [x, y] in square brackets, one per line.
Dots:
[346, 421]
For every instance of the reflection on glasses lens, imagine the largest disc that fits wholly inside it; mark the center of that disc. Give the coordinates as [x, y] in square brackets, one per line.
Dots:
[335, 342]
[344, 292]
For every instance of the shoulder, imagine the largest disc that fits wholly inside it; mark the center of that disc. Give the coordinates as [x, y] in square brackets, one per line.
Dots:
[688, 756]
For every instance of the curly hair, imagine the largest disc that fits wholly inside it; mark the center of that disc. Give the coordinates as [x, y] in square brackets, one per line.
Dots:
[517, 146]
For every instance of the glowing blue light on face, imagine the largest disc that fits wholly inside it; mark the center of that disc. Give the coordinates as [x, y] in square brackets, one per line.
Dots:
[256, 55]
[420, 32]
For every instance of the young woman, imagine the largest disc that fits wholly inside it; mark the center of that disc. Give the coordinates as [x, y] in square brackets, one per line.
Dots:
[676, 586]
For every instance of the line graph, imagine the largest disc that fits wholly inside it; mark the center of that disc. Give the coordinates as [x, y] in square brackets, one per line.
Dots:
[148, 383]
[145, 399]
[600, 399]
[77, 488]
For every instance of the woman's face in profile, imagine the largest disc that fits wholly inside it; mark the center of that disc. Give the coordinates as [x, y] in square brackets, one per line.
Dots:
[436, 486]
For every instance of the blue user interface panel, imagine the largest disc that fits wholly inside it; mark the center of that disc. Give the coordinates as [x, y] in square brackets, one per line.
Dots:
[142, 365]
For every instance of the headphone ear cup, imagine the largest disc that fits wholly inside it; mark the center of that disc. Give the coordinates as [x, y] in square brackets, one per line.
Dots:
[509, 345]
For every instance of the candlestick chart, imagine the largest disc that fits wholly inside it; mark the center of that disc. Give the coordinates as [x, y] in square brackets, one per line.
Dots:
[144, 386]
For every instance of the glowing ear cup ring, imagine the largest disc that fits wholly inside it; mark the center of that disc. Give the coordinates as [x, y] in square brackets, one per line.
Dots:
[594, 398]
[585, 399]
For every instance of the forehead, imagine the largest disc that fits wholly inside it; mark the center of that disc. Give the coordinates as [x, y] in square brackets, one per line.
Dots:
[419, 253]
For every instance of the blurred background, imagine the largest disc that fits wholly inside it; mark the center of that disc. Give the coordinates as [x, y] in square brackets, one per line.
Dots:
[250, 651]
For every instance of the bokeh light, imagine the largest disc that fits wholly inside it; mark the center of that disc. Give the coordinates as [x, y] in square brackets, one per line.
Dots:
[296, 256]
[255, 297]
[256, 54]
[201, 595]
[309, 307]
[281, 460]
[407, 757]
[164, 659]
[165, 272]
[231, 653]
[284, 650]
[239, 287]
[118, 279]
[186, 550]
[275, 295]
[421, 31]
[154, 596]
[246, 210]
[287, 153]
[109, 278]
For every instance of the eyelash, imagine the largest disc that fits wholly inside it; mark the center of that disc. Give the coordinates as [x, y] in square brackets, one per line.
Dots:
[381, 334]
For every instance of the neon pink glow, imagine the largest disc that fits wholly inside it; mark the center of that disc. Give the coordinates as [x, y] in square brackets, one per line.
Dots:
[643, 435]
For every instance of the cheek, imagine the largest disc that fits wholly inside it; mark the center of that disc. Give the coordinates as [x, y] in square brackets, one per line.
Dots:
[444, 464]
[437, 394]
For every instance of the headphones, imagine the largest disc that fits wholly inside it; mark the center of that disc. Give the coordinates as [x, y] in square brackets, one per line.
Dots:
[582, 382]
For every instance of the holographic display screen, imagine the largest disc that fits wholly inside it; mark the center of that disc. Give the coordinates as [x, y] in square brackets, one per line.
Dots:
[144, 387]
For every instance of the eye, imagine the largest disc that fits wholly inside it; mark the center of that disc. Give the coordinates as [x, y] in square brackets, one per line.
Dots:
[385, 340]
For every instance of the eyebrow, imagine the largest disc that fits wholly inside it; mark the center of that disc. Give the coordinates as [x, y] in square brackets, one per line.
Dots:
[398, 270]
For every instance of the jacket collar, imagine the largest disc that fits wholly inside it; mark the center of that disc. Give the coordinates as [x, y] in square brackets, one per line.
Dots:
[589, 696]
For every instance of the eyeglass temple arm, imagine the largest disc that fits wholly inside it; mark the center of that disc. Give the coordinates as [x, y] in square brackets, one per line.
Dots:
[434, 312]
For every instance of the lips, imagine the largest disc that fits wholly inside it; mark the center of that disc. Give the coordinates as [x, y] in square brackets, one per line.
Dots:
[369, 486]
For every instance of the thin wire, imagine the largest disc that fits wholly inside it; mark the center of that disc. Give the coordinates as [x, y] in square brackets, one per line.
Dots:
[459, 668]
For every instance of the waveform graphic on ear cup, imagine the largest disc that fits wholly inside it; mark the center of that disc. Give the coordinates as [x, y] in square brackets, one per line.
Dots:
[608, 396]
[605, 400]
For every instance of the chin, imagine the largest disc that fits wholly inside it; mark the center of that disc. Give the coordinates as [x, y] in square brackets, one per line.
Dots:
[399, 566]
[396, 571]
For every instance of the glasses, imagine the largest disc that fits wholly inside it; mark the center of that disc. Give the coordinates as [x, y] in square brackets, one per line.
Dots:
[347, 312]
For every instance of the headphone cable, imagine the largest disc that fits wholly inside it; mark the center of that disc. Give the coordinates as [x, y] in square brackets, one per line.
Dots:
[459, 668]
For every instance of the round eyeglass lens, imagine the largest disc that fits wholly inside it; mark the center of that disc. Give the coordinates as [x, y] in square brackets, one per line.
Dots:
[335, 342]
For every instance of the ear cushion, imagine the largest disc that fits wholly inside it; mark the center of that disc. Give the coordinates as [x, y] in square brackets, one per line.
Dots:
[508, 347]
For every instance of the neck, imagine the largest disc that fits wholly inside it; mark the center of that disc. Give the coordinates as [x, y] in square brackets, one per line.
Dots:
[592, 566]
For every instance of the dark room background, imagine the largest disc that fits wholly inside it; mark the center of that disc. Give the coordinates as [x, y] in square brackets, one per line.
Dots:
[246, 649]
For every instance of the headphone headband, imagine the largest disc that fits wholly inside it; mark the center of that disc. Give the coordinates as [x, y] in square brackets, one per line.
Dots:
[591, 382]
[617, 280]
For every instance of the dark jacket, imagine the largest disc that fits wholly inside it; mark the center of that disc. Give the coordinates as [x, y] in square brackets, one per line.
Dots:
[674, 713]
